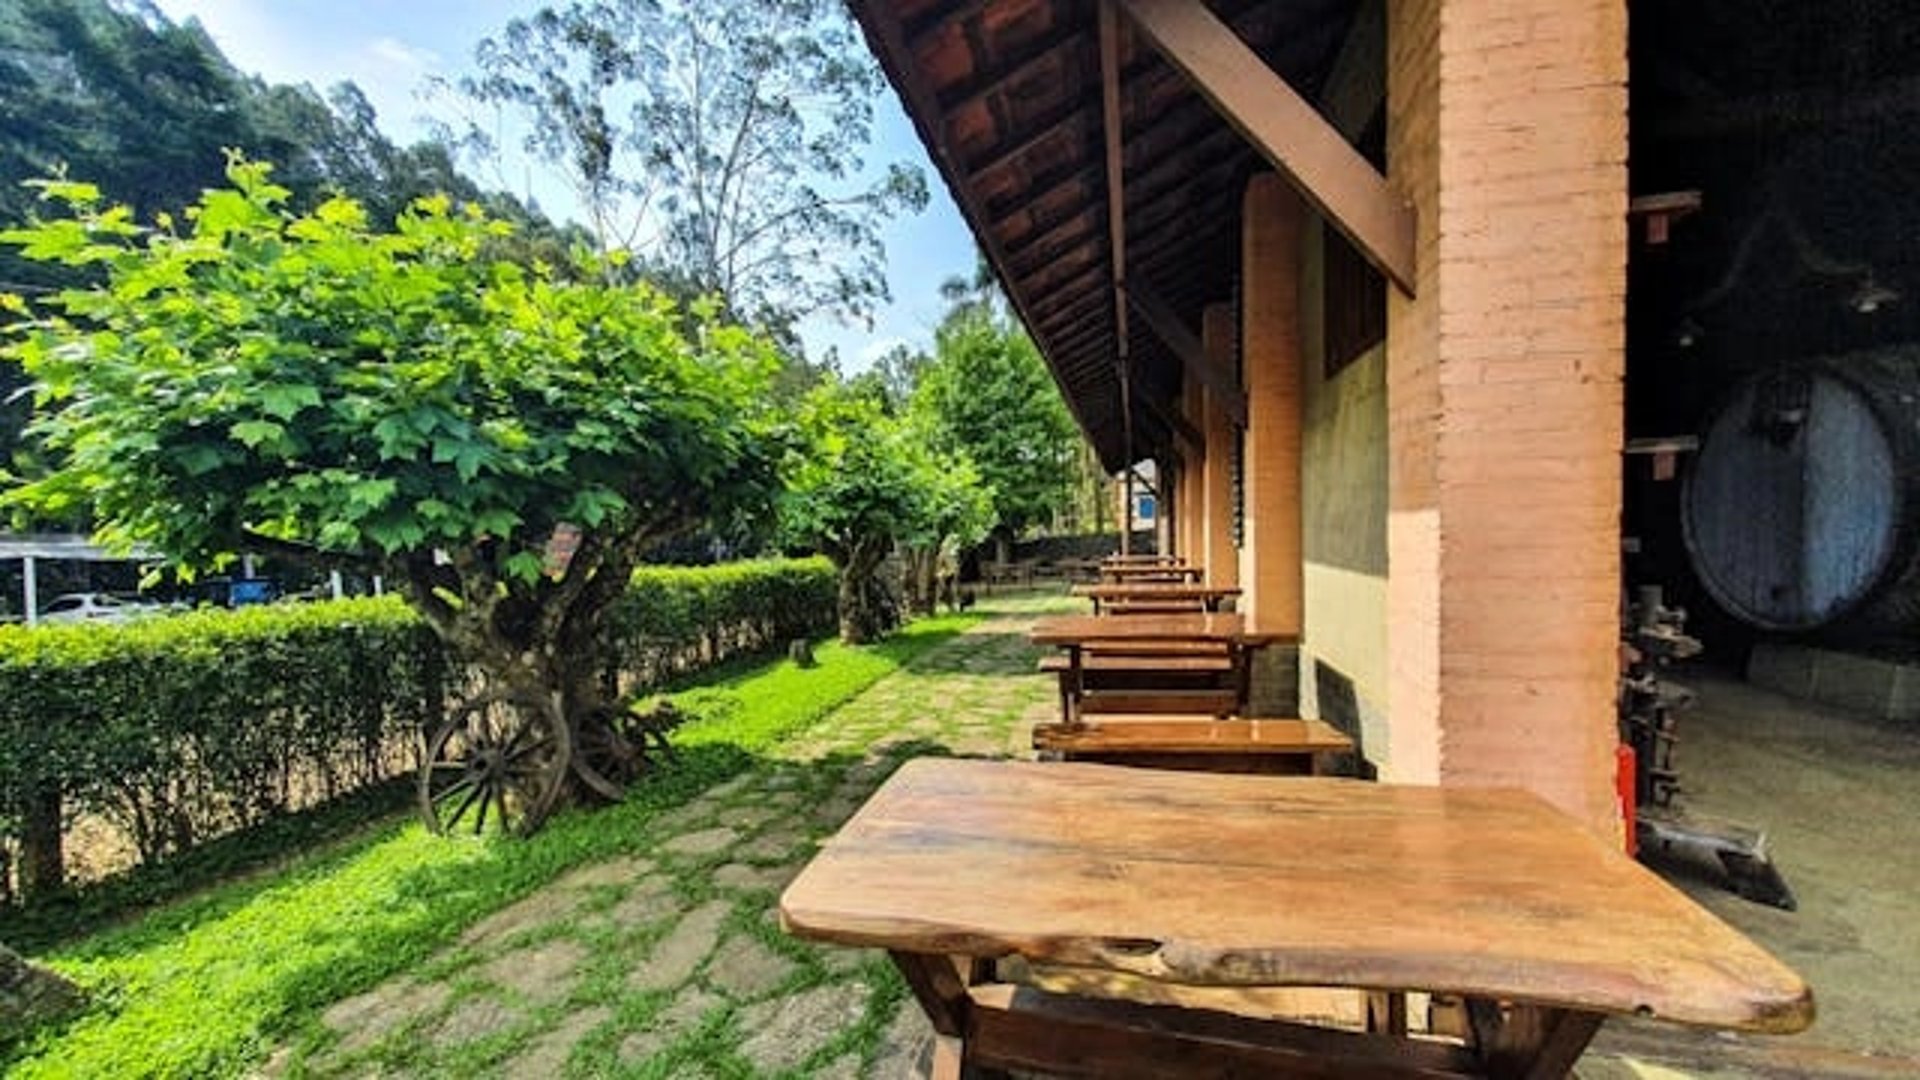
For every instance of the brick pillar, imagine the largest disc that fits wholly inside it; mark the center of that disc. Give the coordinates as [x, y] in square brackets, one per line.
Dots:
[1216, 497]
[1507, 130]
[1270, 568]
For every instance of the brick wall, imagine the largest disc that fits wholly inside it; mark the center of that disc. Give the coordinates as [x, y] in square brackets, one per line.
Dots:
[1507, 129]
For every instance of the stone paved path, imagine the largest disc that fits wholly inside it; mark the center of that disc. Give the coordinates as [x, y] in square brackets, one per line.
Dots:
[671, 963]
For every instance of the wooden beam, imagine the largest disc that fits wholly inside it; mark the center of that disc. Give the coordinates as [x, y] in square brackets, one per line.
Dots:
[1286, 130]
[1116, 204]
[1185, 345]
[1183, 430]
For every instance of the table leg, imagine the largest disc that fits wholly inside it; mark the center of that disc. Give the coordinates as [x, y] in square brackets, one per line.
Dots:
[939, 984]
[1077, 677]
[1387, 1012]
[1529, 1042]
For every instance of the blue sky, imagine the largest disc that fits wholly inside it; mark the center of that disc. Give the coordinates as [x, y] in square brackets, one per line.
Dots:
[391, 48]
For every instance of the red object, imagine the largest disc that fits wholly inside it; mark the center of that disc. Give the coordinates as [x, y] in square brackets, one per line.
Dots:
[1623, 786]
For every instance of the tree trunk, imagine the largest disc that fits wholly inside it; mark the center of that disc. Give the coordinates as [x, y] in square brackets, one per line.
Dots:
[865, 614]
[43, 862]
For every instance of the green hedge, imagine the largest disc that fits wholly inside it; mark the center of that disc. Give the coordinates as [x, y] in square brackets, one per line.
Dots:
[177, 729]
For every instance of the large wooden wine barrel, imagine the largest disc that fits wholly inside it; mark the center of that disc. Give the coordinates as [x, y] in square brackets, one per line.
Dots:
[1802, 510]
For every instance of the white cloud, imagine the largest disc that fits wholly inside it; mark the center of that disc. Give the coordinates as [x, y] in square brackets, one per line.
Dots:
[394, 51]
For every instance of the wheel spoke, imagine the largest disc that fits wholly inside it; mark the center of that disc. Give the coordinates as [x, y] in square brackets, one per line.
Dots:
[474, 792]
[480, 823]
[453, 789]
[543, 744]
[513, 741]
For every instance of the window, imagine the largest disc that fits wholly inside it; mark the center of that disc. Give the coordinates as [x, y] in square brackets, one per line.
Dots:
[1353, 296]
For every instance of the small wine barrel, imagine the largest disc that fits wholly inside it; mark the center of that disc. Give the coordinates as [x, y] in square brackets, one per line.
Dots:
[1802, 510]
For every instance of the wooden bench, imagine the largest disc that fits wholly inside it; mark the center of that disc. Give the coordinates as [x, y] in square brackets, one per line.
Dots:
[1185, 661]
[1152, 607]
[1187, 677]
[1197, 743]
[1219, 701]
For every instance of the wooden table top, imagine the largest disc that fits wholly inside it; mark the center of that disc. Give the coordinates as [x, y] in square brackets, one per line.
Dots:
[1222, 627]
[1155, 590]
[1209, 879]
[1151, 572]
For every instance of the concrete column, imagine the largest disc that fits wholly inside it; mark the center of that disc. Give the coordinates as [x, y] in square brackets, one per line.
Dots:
[1216, 495]
[1507, 131]
[1270, 566]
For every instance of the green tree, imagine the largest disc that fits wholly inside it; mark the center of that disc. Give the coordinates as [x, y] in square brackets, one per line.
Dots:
[721, 142]
[307, 385]
[864, 484]
[954, 511]
[987, 394]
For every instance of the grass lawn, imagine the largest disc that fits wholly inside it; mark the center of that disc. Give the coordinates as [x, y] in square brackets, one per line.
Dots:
[211, 985]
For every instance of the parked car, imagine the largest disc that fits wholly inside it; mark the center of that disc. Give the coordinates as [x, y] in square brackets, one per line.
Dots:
[93, 607]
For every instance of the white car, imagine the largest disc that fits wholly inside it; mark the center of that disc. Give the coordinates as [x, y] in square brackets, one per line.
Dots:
[92, 607]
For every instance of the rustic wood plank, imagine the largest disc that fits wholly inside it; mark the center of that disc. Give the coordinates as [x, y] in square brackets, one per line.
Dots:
[1209, 701]
[1097, 630]
[1177, 663]
[1134, 592]
[1329, 172]
[1173, 733]
[1027, 1029]
[1237, 880]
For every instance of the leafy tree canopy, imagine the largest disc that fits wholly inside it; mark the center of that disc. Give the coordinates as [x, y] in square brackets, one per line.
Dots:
[719, 143]
[254, 378]
[987, 393]
[866, 482]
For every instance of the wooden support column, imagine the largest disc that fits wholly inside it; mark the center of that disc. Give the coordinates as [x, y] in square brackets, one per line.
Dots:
[1191, 487]
[1270, 560]
[1507, 126]
[1216, 549]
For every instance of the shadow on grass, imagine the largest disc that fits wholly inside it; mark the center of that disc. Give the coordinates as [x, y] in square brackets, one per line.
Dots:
[987, 651]
[195, 987]
[308, 835]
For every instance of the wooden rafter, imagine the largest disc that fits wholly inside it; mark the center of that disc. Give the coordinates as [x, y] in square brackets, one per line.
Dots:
[1183, 430]
[1116, 206]
[1285, 129]
[882, 27]
[1185, 345]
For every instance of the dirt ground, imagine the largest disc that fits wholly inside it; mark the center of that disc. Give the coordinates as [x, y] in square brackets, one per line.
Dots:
[1839, 798]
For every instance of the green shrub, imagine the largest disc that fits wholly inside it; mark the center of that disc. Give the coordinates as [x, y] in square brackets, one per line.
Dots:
[179, 729]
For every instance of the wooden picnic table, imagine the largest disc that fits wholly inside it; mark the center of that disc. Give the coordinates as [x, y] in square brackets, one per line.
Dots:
[1147, 559]
[1207, 880]
[1185, 633]
[1126, 572]
[1156, 592]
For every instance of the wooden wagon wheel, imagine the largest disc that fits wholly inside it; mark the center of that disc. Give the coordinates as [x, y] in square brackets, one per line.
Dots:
[501, 758]
[613, 746]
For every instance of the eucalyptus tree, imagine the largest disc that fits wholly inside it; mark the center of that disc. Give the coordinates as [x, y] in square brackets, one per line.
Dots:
[500, 442]
[723, 142]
